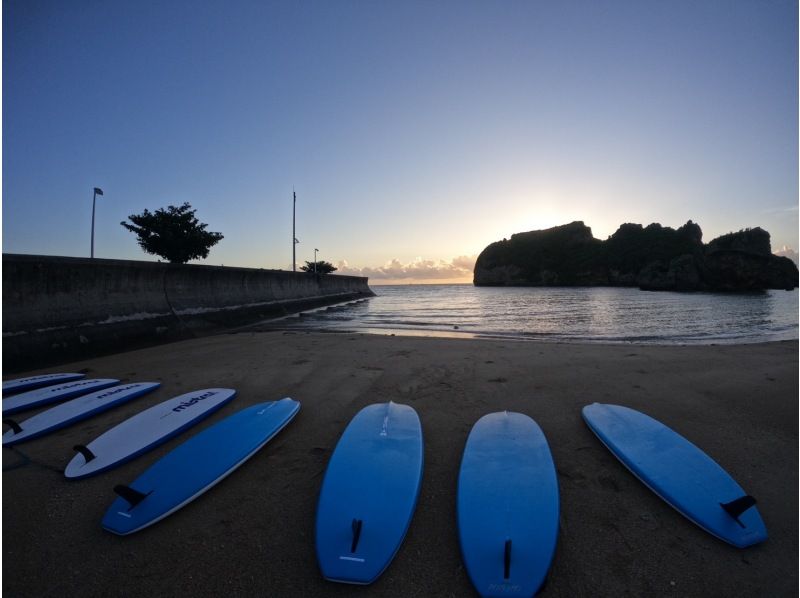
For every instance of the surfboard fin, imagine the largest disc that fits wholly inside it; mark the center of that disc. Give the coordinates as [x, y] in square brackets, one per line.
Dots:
[13, 425]
[134, 497]
[507, 560]
[356, 526]
[84, 450]
[736, 507]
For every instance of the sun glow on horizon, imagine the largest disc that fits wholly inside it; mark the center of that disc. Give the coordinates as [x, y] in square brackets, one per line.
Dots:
[418, 282]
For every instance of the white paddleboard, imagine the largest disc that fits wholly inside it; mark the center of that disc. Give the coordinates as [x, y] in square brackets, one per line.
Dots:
[73, 411]
[145, 431]
[54, 394]
[31, 382]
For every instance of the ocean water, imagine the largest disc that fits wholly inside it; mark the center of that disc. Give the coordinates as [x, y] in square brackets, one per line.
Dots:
[584, 314]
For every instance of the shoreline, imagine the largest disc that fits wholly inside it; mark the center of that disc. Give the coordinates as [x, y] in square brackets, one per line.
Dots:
[267, 326]
[253, 534]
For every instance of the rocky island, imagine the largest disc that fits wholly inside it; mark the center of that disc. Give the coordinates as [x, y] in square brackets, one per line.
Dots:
[655, 258]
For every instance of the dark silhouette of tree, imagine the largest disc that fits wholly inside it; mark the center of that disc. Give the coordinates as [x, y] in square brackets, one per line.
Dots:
[173, 233]
[323, 267]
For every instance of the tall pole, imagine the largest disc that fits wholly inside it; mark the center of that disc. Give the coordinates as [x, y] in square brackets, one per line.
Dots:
[97, 191]
[294, 237]
[315, 260]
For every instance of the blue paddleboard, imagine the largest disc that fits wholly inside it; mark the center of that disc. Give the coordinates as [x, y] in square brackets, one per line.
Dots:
[31, 382]
[53, 394]
[507, 505]
[68, 413]
[679, 472]
[369, 493]
[193, 467]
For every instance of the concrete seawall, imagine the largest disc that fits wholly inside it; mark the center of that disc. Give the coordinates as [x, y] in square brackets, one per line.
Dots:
[57, 309]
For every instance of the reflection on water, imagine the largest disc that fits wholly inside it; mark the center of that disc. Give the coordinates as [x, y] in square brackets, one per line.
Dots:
[584, 314]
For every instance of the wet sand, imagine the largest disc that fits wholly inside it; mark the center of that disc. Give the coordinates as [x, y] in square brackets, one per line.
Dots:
[253, 534]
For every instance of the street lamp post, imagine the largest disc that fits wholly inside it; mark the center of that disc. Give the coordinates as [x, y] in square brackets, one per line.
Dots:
[294, 238]
[315, 260]
[97, 191]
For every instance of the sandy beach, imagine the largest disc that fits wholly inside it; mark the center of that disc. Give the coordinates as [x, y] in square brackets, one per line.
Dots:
[253, 534]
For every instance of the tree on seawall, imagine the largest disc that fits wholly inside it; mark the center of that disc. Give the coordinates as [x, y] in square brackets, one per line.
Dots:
[323, 267]
[173, 233]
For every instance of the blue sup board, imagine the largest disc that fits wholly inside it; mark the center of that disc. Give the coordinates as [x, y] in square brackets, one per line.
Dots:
[53, 394]
[198, 464]
[146, 430]
[369, 493]
[679, 472]
[23, 384]
[507, 505]
[68, 413]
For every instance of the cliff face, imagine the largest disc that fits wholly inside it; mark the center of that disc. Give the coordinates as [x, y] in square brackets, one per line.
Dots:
[652, 258]
[564, 255]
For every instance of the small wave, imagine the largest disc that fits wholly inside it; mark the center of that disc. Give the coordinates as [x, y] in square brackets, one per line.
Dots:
[588, 315]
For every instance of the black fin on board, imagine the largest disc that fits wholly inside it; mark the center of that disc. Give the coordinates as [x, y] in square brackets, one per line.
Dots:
[736, 507]
[507, 560]
[13, 425]
[356, 525]
[84, 450]
[134, 497]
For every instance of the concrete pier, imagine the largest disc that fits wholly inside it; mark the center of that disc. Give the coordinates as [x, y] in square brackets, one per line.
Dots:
[58, 309]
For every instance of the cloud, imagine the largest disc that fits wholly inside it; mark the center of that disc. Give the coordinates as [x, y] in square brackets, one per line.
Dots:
[780, 209]
[420, 269]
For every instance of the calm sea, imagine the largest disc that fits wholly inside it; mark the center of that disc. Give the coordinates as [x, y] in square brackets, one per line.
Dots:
[587, 314]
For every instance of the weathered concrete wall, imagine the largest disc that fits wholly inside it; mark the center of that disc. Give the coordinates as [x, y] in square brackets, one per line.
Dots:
[60, 308]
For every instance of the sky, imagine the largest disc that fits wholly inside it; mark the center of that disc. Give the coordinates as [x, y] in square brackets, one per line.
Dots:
[414, 133]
